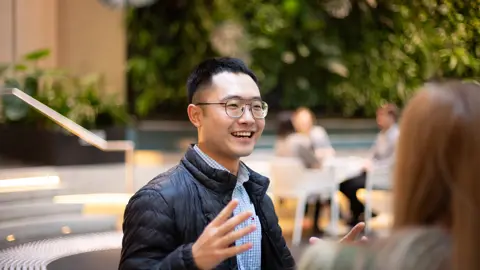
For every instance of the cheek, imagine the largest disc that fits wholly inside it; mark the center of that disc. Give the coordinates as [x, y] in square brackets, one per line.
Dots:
[220, 126]
[260, 126]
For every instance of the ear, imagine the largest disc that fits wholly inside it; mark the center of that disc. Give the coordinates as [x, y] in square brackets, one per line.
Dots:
[195, 114]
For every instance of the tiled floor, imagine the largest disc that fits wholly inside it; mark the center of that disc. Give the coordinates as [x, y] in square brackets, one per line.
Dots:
[110, 178]
[108, 260]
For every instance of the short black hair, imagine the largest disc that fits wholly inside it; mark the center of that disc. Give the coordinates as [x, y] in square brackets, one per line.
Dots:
[203, 73]
[284, 124]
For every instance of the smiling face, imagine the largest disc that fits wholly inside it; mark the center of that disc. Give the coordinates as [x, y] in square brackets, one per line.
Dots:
[221, 136]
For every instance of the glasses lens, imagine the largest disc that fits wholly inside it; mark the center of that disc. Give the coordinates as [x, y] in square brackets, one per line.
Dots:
[234, 108]
[259, 109]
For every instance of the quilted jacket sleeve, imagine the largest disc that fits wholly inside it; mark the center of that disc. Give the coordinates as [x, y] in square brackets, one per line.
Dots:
[150, 236]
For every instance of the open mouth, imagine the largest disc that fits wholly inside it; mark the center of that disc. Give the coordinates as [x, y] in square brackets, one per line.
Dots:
[243, 134]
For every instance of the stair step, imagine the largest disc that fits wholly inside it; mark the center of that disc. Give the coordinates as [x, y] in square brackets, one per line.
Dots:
[27, 171]
[36, 208]
[36, 228]
[27, 194]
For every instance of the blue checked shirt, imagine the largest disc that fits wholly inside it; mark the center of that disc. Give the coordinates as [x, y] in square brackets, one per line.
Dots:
[251, 259]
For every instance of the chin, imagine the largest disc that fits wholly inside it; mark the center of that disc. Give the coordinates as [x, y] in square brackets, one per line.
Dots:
[242, 151]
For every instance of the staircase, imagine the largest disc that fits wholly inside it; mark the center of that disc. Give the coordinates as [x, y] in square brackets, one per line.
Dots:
[29, 213]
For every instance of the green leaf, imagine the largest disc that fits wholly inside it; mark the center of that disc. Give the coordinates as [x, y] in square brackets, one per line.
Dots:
[12, 83]
[37, 55]
[291, 7]
[31, 85]
[453, 62]
[21, 67]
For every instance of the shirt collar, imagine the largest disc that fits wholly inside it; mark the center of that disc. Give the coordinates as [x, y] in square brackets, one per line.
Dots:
[243, 173]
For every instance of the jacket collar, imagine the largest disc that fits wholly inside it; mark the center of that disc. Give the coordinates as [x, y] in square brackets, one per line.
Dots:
[221, 181]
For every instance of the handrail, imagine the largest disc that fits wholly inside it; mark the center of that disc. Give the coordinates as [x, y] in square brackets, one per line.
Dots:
[126, 146]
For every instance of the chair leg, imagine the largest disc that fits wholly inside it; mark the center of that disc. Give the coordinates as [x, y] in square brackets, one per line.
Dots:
[299, 216]
[368, 211]
[334, 212]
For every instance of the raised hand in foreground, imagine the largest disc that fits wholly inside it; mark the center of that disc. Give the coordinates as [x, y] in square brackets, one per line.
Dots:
[213, 246]
[351, 236]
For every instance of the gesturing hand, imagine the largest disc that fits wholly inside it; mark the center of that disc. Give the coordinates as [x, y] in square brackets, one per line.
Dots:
[351, 236]
[213, 246]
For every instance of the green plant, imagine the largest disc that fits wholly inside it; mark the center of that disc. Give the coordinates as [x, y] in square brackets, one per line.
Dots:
[341, 56]
[23, 75]
[78, 98]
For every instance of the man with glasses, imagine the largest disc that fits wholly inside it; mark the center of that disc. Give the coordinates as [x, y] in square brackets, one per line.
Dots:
[210, 211]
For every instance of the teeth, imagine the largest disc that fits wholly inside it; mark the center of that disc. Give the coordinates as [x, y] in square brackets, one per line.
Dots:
[242, 134]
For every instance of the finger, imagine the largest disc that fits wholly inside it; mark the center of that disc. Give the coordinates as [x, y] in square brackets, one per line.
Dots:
[313, 240]
[362, 241]
[233, 222]
[354, 232]
[235, 235]
[235, 250]
[224, 214]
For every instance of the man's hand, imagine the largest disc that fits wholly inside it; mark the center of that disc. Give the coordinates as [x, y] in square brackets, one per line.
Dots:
[350, 237]
[213, 246]
[353, 234]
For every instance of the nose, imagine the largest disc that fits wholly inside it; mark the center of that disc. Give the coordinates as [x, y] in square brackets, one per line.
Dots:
[247, 116]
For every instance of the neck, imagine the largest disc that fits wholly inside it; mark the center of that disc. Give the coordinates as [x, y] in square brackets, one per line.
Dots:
[306, 131]
[384, 129]
[229, 164]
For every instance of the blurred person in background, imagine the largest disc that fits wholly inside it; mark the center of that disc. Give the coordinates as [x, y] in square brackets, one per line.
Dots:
[304, 122]
[436, 190]
[297, 145]
[290, 143]
[382, 154]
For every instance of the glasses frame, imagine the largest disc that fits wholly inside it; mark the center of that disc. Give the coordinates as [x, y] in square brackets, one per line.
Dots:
[243, 107]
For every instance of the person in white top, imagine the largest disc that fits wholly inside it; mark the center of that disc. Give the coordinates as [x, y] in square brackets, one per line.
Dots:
[382, 154]
[304, 123]
[315, 139]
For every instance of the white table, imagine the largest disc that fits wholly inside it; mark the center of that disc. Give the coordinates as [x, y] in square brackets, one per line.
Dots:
[345, 167]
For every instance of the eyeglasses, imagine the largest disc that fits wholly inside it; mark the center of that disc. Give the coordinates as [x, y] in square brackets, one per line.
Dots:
[236, 107]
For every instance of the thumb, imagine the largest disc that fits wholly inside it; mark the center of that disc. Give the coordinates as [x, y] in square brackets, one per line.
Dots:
[314, 240]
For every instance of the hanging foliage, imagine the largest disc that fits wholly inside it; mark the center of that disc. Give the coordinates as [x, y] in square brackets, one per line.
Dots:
[345, 56]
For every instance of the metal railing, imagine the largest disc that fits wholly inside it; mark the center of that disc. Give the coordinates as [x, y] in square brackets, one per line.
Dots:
[107, 146]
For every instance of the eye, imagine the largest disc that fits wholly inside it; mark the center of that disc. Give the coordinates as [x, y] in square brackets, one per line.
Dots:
[258, 106]
[233, 104]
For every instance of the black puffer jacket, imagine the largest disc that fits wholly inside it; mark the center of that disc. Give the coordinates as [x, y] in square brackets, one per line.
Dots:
[164, 218]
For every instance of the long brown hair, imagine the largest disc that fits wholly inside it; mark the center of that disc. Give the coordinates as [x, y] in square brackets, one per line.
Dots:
[437, 170]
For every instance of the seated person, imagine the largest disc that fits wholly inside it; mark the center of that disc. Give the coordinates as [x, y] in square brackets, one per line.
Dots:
[304, 123]
[292, 144]
[437, 193]
[382, 154]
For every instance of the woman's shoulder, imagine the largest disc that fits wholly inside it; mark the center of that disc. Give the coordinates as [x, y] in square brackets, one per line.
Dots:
[403, 250]
[320, 256]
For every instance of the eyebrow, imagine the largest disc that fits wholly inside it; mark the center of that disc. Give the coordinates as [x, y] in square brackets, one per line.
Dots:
[242, 98]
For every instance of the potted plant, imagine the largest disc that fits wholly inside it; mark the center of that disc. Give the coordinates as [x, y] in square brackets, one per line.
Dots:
[30, 137]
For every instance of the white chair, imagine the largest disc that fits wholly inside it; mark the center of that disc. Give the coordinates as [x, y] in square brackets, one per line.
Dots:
[291, 180]
[380, 179]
